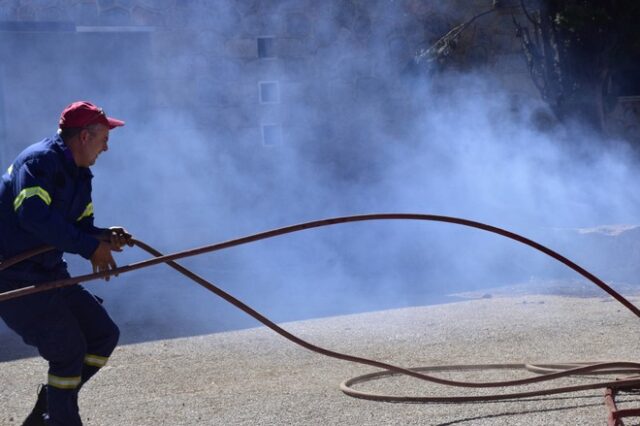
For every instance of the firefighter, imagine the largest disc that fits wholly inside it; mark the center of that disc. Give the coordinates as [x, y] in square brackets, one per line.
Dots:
[45, 199]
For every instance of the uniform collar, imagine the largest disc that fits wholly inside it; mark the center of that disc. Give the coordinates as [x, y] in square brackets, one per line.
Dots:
[69, 162]
[66, 152]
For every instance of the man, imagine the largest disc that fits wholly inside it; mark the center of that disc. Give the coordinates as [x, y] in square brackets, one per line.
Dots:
[45, 199]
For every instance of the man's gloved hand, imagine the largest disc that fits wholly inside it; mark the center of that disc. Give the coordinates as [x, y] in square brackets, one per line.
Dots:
[117, 236]
[102, 260]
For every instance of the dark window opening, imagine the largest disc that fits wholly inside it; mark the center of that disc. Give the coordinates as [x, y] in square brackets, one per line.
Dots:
[266, 47]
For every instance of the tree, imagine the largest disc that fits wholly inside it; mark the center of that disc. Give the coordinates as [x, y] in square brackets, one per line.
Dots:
[581, 54]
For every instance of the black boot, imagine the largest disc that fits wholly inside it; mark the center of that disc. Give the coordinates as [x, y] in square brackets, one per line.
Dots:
[36, 418]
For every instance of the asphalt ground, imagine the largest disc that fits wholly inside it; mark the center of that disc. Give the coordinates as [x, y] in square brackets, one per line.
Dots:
[256, 377]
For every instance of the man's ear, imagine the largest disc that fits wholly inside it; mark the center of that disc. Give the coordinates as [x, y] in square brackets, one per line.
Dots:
[84, 135]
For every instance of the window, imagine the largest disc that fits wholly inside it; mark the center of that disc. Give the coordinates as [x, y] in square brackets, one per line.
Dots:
[271, 134]
[266, 47]
[269, 92]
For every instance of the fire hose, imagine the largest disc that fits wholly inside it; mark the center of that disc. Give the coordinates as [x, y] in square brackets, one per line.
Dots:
[546, 371]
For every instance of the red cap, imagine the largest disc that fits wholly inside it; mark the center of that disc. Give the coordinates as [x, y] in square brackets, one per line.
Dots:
[82, 114]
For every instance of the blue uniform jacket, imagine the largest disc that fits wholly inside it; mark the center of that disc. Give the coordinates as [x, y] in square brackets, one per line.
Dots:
[45, 199]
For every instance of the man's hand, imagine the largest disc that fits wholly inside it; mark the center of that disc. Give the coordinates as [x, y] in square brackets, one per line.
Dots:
[102, 260]
[117, 236]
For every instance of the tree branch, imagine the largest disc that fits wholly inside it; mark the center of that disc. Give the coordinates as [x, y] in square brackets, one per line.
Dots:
[526, 13]
[443, 47]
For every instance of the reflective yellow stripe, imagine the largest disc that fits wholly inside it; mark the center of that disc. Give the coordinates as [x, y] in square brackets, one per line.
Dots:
[64, 382]
[95, 360]
[31, 192]
[10, 169]
[88, 211]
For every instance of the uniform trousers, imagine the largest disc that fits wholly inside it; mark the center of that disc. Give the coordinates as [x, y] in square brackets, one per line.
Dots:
[70, 329]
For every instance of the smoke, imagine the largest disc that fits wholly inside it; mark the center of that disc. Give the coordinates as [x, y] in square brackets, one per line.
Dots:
[359, 135]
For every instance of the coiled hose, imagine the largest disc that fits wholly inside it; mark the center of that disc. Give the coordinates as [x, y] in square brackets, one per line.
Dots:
[549, 371]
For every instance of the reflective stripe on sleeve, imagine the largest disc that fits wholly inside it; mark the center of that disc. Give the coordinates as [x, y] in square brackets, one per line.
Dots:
[88, 211]
[10, 169]
[33, 191]
[64, 382]
[95, 360]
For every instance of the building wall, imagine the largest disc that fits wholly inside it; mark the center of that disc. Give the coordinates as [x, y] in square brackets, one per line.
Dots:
[225, 72]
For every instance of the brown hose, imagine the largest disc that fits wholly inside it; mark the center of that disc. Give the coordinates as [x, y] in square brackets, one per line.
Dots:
[627, 367]
[601, 368]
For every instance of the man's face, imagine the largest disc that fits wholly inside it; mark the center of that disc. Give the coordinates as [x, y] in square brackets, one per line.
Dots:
[94, 142]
